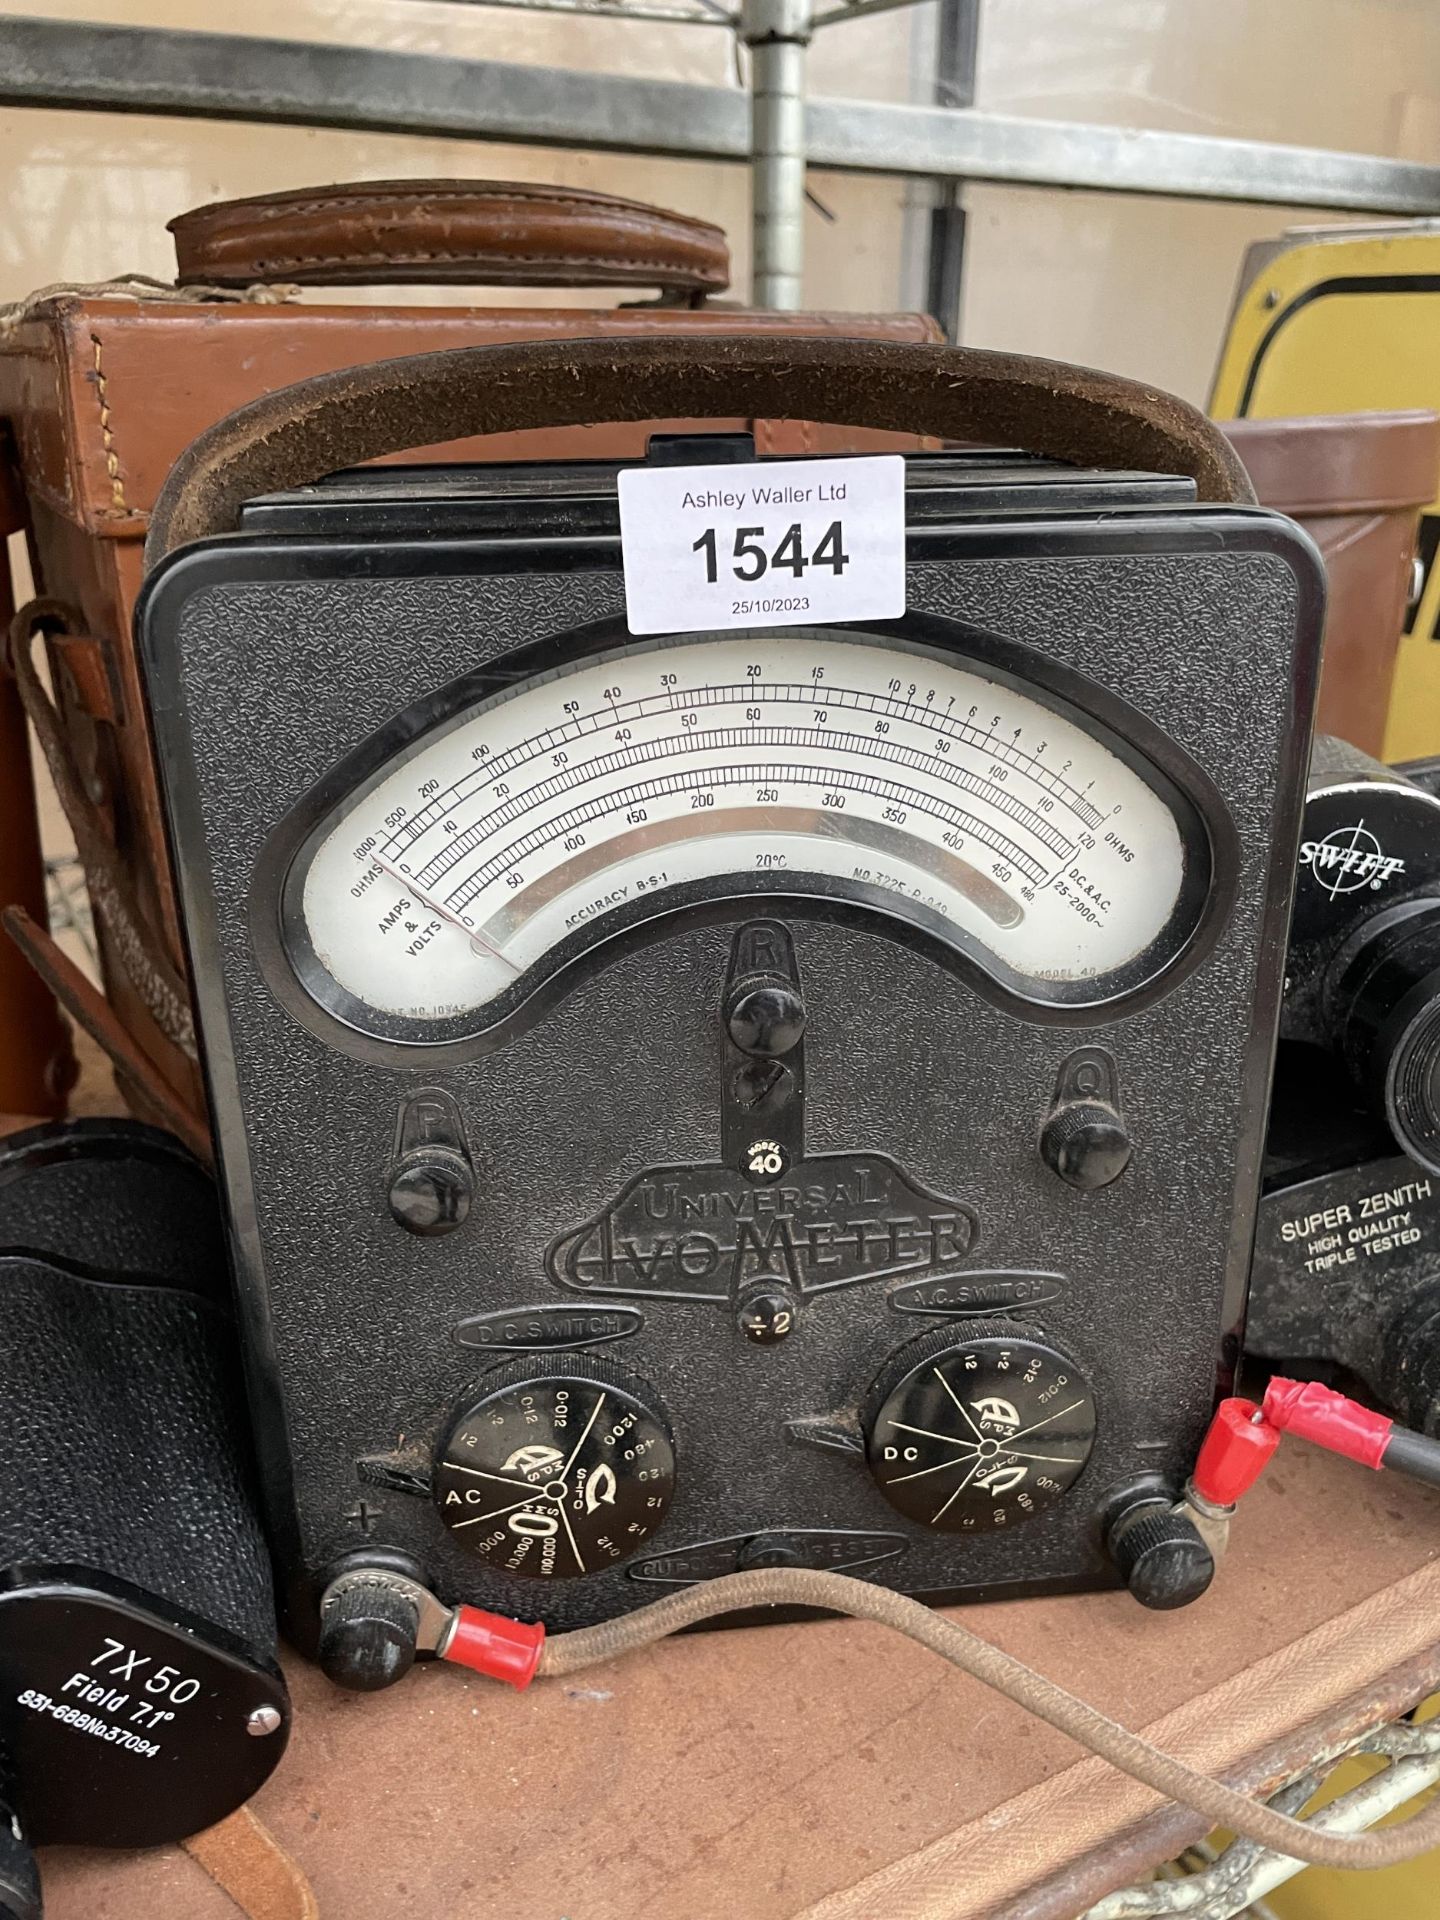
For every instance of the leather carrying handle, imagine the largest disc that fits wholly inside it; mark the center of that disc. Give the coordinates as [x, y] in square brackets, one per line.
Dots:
[299, 434]
[459, 232]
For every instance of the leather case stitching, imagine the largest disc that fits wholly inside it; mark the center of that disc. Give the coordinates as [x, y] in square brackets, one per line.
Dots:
[621, 262]
[281, 209]
[107, 436]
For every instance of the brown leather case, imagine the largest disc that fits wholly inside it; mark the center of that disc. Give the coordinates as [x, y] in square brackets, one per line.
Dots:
[36, 1063]
[101, 393]
[1356, 482]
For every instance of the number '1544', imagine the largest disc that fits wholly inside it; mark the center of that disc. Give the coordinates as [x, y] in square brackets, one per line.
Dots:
[751, 562]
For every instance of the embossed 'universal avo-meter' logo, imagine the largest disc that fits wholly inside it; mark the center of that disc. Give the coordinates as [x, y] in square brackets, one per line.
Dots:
[705, 1232]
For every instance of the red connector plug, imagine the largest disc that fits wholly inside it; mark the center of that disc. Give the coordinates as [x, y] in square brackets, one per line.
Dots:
[1234, 1454]
[1242, 1438]
[507, 1650]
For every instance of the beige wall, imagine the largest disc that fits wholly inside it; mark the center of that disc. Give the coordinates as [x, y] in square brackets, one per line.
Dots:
[1143, 285]
[86, 195]
[1138, 285]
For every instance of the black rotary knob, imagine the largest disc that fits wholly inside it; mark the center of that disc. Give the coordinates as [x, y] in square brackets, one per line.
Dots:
[367, 1635]
[978, 1426]
[765, 1016]
[1161, 1557]
[556, 1470]
[1086, 1144]
[431, 1191]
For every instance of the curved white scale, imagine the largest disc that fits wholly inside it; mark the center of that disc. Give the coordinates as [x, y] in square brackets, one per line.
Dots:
[542, 810]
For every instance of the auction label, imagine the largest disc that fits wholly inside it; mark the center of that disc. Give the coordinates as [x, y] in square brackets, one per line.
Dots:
[769, 544]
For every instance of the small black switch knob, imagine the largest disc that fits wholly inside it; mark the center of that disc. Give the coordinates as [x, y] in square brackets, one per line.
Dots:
[367, 1636]
[763, 1007]
[766, 1312]
[762, 1016]
[1084, 1140]
[765, 1016]
[1160, 1556]
[1086, 1144]
[432, 1176]
[431, 1191]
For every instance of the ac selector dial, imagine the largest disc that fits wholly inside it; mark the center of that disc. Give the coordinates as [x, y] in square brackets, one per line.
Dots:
[556, 1468]
[978, 1426]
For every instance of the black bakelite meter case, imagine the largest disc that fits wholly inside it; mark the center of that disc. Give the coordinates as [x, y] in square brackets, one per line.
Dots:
[712, 1100]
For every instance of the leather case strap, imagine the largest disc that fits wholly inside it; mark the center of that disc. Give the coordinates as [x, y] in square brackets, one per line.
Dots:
[244, 1857]
[299, 434]
[112, 888]
[470, 232]
[145, 1091]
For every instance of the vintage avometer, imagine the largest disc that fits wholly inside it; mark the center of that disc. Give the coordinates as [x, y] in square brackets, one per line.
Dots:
[729, 1099]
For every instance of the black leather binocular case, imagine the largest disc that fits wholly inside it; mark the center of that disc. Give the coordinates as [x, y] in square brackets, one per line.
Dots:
[140, 1700]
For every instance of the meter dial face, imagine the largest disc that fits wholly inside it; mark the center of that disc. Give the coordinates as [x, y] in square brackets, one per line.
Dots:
[554, 1475]
[978, 1426]
[523, 826]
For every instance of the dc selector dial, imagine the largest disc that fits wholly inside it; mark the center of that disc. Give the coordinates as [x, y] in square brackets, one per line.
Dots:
[555, 1471]
[978, 1426]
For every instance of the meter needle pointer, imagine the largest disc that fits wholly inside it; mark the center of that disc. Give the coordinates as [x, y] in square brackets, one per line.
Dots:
[475, 939]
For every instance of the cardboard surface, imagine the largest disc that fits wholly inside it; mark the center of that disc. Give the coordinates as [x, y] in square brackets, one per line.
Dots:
[750, 1772]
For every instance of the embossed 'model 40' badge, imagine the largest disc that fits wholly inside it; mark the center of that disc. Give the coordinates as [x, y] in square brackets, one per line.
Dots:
[705, 1232]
